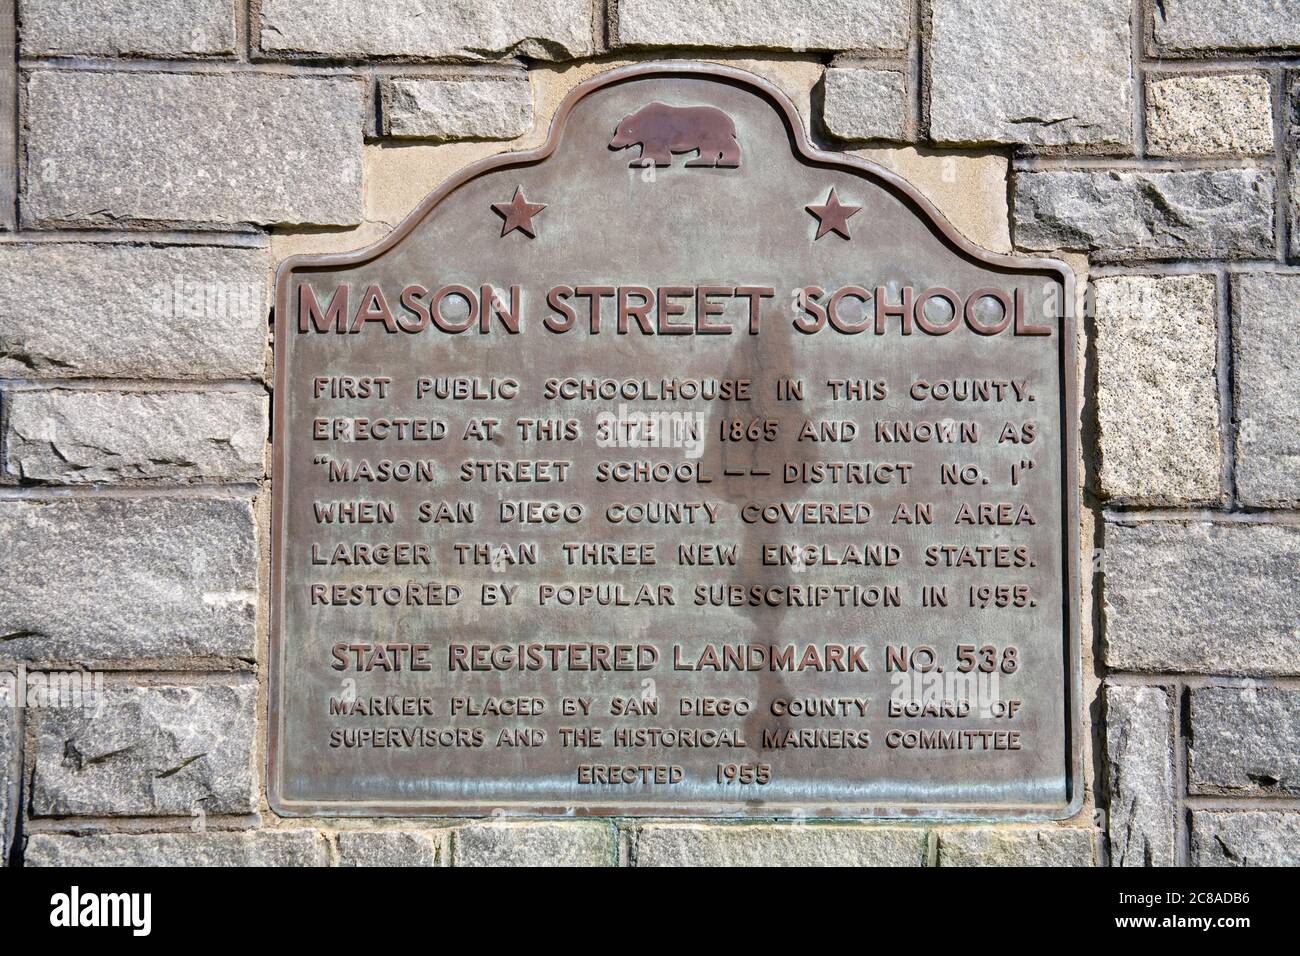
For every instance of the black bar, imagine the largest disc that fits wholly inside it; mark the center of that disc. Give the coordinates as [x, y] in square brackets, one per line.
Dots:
[341, 907]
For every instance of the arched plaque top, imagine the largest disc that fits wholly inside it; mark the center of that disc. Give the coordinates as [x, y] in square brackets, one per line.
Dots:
[716, 145]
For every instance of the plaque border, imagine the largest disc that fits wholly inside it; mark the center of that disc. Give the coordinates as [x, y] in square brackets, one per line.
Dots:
[719, 811]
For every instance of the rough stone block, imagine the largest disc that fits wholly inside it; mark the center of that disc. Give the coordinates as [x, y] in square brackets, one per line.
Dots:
[991, 846]
[1141, 816]
[1244, 742]
[1266, 373]
[112, 578]
[1209, 115]
[534, 844]
[1141, 214]
[76, 436]
[1198, 26]
[429, 29]
[10, 761]
[112, 149]
[250, 848]
[1157, 389]
[421, 108]
[1031, 72]
[702, 844]
[865, 104]
[387, 848]
[1245, 838]
[1201, 597]
[1294, 152]
[158, 28]
[147, 751]
[768, 24]
[177, 312]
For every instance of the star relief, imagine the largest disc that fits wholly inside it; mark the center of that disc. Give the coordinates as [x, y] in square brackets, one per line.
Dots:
[518, 214]
[832, 216]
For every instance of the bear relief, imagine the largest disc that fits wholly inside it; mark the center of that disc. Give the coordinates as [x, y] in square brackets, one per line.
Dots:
[662, 130]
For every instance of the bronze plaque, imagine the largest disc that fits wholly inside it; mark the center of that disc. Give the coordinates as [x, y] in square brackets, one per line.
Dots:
[676, 466]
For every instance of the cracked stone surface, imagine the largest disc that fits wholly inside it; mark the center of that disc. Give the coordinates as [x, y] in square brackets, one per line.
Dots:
[388, 848]
[990, 846]
[156, 750]
[457, 109]
[429, 29]
[692, 844]
[1244, 742]
[1140, 813]
[1031, 72]
[1245, 838]
[1158, 389]
[173, 312]
[1266, 380]
[1202, 597]
[117, 578]
[1219, 114]
[162, 28]
[255, 848]
[136, 148]
[769, 24]
[78, 436]
[1112, 214]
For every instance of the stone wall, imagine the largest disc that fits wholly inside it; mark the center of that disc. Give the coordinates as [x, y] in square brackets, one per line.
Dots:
[160, 158]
